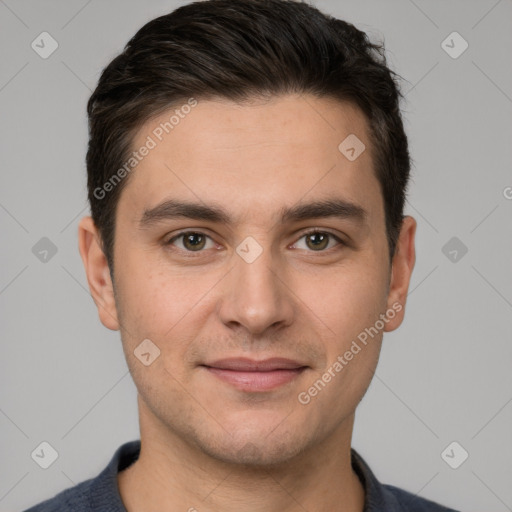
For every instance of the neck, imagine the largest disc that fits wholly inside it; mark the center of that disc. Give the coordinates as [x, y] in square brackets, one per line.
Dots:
[173, 475]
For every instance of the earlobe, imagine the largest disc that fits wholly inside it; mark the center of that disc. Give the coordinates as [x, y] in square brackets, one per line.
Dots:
[401, 271]
[98, 273]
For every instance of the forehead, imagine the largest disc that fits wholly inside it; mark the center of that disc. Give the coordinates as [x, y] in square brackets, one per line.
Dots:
[255, 157]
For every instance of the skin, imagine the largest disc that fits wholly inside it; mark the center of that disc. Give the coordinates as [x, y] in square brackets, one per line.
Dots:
[206, 444]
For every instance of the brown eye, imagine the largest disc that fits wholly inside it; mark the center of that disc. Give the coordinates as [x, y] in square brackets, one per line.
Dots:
[192, 241]
[319, 241]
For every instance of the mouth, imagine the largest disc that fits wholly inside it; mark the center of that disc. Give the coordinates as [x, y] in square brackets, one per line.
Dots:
[256, 376]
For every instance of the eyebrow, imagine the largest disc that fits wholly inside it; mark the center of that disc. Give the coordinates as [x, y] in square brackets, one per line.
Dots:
[175, 209]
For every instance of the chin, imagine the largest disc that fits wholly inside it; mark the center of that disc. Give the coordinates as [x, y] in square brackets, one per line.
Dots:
[255, 455]
[254, 449]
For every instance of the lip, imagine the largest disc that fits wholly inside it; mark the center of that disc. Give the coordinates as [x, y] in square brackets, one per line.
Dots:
[256, 376]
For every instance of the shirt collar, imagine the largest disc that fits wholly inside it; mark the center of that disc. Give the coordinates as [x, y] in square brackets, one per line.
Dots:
[105, 486]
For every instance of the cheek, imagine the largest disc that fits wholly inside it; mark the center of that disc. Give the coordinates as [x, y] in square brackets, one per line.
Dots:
[349, 306]
[161, 304]
[158, 308]
[346, 301]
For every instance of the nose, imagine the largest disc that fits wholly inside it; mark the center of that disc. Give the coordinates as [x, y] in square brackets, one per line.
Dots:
[256, 296]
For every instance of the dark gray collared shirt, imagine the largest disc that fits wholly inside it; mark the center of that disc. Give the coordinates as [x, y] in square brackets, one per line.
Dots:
[102, 494]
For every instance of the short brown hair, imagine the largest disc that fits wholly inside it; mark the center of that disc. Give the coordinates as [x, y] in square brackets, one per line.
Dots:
[238, 49]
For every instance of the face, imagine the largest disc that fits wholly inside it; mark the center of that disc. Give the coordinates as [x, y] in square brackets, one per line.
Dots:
[251, 251]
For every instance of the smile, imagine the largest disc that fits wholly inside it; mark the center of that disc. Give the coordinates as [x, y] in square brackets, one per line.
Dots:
[255, 376]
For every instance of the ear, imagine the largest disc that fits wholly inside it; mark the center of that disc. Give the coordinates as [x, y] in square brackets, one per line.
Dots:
[401, 270]
[98, 273]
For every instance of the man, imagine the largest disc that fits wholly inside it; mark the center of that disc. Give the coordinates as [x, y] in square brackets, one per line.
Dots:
[247, 170]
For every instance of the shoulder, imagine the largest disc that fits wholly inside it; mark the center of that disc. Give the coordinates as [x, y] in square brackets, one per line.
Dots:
[95, 494]
[388, 498]
[408, 501]
[75, 498]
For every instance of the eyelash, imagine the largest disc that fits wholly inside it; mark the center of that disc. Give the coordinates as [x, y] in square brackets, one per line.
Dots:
[192, 254]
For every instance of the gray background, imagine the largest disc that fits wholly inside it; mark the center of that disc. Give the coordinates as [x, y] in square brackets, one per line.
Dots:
[444, 376]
